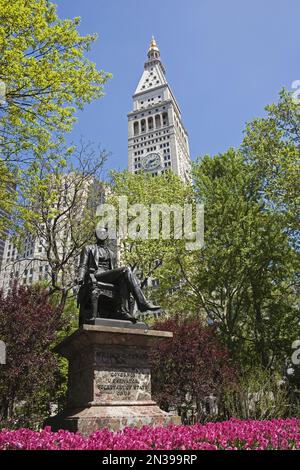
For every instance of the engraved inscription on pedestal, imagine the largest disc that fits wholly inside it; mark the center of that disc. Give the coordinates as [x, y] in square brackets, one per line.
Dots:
[119, 357]
[109, 373]
[123, 384]
[122, 374]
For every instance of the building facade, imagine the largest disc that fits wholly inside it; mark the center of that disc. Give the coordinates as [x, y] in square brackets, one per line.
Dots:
[2, 240]
[5, 215]
[27, 266]
[157, 138]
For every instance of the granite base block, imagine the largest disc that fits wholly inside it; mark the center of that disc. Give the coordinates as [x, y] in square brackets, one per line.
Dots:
[109, 379]
[113, 417]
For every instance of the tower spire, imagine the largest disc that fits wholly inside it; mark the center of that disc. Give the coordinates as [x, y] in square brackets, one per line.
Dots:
[157, 139]
[153, 51]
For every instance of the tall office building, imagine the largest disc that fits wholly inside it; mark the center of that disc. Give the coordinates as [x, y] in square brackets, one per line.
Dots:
[157, 138]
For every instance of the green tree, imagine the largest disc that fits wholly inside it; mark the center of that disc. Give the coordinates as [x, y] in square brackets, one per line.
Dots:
[246, 273]
[152, 258]
[271, 147]
[7, 197]
[58, 207]
[45, 76]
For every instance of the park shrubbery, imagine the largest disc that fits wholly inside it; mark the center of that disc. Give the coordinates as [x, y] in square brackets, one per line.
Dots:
[194, 374]
[31, 378]
[189, 367]
[188, 371]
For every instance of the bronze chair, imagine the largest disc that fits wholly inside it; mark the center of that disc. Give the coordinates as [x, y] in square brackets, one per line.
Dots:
[109, 299]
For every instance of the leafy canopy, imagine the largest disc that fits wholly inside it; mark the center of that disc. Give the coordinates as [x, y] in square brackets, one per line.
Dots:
[45, 74]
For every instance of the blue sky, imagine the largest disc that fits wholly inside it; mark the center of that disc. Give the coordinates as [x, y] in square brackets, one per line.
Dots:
[224, 59]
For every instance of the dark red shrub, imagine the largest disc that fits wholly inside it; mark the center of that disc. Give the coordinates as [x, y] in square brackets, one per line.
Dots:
[28, 326]
[190, 366]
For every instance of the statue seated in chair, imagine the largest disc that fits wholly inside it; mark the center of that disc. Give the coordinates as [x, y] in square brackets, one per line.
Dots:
[107, 291]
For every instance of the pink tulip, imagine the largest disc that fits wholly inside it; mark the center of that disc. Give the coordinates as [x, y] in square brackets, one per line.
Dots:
[229, 435]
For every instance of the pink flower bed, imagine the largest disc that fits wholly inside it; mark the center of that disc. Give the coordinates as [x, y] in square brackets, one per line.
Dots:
[229, 435]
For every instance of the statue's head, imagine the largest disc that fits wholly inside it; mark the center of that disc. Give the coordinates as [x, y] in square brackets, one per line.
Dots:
[101, 234]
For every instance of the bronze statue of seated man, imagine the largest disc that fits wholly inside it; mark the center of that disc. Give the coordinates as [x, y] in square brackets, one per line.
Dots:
[98, 268]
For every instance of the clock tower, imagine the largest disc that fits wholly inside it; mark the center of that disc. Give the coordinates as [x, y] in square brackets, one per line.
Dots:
[157, 139]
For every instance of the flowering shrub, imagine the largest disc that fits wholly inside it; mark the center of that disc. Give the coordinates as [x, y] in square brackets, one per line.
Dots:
[229, 435]
[174, 385]
[31, 376]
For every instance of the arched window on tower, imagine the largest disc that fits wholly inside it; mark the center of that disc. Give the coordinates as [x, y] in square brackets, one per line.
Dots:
[136, 127]
[150, 123]
[165, 119]
[143, 125]
[157, 121]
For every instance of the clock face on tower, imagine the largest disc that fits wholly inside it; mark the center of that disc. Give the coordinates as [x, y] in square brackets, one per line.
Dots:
[152, 161]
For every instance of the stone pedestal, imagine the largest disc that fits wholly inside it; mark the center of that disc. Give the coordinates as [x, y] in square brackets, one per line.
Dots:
[109, 381]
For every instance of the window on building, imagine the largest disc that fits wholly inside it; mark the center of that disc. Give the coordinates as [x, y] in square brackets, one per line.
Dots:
[150, 123]
[165, 119]
[136, 128]
[157, 121]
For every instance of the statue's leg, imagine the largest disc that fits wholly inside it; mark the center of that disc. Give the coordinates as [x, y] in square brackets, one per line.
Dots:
[125, 276]
[94, 302]
[118, 277]
[134, 287]
[111, 276]
[124, 294]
